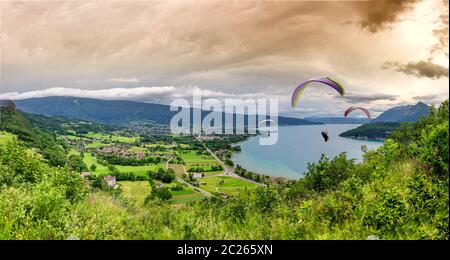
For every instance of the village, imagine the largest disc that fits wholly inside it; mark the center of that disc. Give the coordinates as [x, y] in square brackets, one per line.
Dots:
[180, 164]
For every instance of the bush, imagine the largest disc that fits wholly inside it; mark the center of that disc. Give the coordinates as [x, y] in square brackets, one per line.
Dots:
[177, 187]
[328, 174]
[433, 150]
[163, 175]
[162, 193]
[76, 164]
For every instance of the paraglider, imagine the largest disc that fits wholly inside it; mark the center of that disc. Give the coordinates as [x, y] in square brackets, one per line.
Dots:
[263, 124]
[325, 135]
[350, 109]
[324, 80]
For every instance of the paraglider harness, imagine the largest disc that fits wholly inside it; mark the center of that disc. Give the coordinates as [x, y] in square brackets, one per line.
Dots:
[325, 136]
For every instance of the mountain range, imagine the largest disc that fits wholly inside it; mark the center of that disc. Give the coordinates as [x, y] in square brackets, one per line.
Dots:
[409, 113]
[338, 120]
[387, 122]
[119, 111]
[115, 111]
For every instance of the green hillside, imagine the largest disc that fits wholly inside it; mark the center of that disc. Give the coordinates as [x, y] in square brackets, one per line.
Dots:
[33, 136]
[372, 131]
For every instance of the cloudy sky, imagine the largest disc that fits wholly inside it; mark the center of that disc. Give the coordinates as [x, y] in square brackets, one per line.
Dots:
[385, 53]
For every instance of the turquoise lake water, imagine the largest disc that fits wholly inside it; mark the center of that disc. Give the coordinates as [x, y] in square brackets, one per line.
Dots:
[296, 146]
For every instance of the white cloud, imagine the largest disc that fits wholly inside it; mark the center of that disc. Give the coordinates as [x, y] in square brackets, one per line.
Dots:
[140, 93]
[122, 80]
[156, 94]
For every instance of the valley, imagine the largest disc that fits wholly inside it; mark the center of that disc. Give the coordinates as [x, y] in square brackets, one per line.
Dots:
[132, 160]
[64, 177]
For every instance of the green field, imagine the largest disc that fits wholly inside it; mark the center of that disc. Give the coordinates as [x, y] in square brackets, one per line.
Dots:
[136, 190]
[112, 138]
[187, 198]
[96, 144]
[89, 160]
[6, 137]
[72, 137]
[185, 195]
[194, 160]
[212, 173]
[205, 167]
[178, 168]
[191, 157]
[165, 146]
[140, 170]
[73, 152]
[230, 185]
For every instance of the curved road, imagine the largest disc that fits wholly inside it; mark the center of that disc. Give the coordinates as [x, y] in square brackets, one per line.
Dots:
[227, 171]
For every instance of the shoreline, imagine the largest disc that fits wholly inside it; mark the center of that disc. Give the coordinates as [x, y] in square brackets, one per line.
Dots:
[273, 179]
[273, 173]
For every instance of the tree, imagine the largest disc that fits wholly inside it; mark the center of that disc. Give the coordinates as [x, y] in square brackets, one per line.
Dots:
[162, 193]
[168, 177]
[93, 167]
[266, 198]
[113, 169]
[76, 164]
[99, 183]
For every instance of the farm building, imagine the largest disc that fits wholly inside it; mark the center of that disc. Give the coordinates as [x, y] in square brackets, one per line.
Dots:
[111, 181]
[197, 175]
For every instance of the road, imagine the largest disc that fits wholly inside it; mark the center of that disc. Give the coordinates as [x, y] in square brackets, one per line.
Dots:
[204, 192]
[227, 171]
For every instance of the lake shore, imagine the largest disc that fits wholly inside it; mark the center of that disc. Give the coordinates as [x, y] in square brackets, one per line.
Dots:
[296, 147]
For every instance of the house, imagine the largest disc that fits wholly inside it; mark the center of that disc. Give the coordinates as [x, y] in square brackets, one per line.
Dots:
[111, 181]
[197, 175]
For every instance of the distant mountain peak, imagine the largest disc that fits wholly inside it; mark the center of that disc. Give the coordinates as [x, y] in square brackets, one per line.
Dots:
[407, 113]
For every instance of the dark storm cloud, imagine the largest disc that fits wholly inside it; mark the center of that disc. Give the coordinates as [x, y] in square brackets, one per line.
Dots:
[421, 69]
[442, 35]
[382, 13]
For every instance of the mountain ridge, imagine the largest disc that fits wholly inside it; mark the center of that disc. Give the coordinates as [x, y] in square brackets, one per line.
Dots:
[407, 113]
[337, 120]
[387, 122]
[114, 111]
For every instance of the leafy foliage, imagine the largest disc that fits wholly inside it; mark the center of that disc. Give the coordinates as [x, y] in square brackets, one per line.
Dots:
[34, 137]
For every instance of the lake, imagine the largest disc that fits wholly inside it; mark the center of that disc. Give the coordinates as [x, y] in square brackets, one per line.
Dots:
[296, 146]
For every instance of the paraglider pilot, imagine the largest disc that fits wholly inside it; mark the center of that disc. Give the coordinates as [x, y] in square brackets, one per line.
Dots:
[325, 135]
